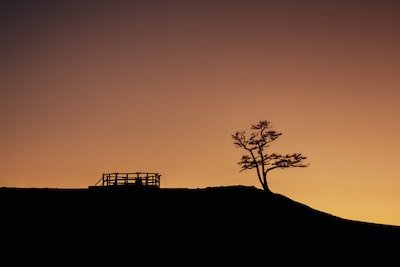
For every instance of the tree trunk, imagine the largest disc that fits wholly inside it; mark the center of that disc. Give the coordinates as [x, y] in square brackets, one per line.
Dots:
[265, 184]
[266, 188]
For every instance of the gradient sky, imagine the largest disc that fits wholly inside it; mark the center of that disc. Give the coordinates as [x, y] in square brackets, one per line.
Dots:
[88, 87]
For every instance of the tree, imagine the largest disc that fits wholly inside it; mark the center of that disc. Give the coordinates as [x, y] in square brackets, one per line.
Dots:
[259, 139]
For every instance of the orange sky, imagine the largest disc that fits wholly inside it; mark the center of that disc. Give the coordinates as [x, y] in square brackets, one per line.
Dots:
[106, 86]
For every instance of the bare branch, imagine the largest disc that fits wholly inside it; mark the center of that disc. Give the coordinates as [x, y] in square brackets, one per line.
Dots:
[287, 161]
[247, 163]
[240, 139]
[261, 125]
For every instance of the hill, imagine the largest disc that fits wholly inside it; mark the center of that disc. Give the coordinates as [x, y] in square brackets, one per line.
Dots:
[236, 218]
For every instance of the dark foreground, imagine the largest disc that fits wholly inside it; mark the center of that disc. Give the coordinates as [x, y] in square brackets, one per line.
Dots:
[201, 223]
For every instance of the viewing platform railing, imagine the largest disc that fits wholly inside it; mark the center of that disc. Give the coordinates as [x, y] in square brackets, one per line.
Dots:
[144, 179]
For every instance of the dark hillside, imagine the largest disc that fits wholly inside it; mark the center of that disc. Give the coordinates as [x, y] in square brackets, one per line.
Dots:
[234, 218]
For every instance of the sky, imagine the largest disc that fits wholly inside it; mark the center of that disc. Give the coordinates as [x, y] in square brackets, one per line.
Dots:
[90, 87]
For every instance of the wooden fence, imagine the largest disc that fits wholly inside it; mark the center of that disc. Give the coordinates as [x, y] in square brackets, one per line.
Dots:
[144, 179]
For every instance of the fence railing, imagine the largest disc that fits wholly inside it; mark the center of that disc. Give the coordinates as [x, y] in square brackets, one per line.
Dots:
[145, 179]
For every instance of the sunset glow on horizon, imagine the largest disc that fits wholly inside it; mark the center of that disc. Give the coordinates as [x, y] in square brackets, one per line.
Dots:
[91, 87]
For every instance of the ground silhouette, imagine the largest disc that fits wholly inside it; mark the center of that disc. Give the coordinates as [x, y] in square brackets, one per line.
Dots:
[233, 220]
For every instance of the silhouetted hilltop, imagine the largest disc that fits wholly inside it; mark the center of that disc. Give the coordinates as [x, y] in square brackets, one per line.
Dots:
[221, 217]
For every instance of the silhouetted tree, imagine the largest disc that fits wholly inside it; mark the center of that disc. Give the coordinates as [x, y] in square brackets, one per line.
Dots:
[259, 139]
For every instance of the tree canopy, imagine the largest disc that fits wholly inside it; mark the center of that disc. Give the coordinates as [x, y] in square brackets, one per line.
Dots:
[255, 143]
